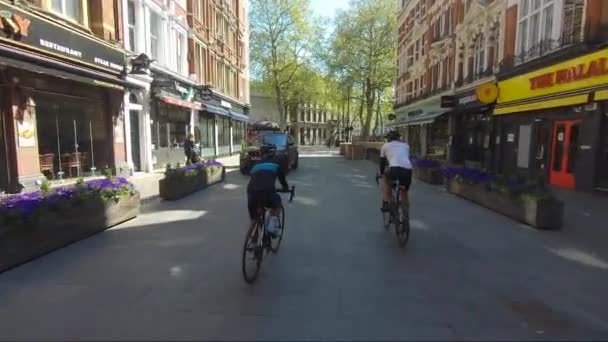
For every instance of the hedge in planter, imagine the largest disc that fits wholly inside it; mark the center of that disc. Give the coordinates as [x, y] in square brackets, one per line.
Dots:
[33, 224]
[183, 181]
[525, 201]
[428, 171]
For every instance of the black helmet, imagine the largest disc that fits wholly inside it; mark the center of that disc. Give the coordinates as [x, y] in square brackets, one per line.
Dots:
[393, 135]
[268, 151]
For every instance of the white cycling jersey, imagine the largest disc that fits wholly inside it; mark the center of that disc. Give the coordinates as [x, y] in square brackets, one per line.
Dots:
[397, 153]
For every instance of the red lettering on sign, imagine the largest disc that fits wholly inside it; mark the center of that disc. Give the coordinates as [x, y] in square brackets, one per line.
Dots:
[593, 68]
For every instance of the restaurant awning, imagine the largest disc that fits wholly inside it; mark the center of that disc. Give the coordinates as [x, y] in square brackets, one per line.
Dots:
[216, 110]
[239, 116]
[12, 57]
[426, 118]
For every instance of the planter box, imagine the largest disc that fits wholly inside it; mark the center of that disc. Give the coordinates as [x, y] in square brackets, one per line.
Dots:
[431, 175]
[373, 154]
[177, 187]
[358, 152]
[539, 213]
[55, 229]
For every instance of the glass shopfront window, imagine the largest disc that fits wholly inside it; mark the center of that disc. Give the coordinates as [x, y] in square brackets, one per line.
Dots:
[206, 127]
[73, 135]
[170, 127]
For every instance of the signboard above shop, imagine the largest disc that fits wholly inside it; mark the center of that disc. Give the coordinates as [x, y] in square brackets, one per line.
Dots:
[563, 84]
[475, 99]
[29, 31]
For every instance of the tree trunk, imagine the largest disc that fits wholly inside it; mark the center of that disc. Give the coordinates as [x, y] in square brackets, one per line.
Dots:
[370, 96]
[378, 115]
[280, 107]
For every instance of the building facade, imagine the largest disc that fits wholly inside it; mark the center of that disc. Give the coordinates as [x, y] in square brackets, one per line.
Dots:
[426, 59]
[263, 108]
[196, 82]
[62, 89]
[517, 87]
[313, 123]
[551, 115]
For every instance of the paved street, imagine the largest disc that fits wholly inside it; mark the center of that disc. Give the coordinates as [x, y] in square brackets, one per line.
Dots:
[174, 272]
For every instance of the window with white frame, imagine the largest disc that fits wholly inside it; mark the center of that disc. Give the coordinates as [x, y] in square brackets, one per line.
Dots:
[479, 59]
[155, 31]
[536, 27]
[200, 60]
[179, 53]
[131, 22]
[71, 9]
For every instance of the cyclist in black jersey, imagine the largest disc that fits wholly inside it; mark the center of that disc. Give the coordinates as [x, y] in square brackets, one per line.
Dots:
[261, 190]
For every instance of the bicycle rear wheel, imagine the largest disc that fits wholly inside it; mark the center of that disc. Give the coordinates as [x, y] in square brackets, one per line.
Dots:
[253, 252]
[276, 242]
[402, 225]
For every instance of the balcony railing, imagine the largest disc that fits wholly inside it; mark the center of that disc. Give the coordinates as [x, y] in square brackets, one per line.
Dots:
[474, 77]
[423, 95]
[543, 49]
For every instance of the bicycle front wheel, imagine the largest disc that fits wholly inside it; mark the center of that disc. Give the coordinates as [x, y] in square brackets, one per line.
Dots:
[253, 253]
[276, 242]
[402, 225]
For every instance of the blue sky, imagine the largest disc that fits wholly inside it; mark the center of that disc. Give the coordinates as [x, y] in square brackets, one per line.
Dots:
[328, 7]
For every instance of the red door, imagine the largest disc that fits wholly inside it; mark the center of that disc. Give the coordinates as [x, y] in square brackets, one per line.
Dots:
[564, 151]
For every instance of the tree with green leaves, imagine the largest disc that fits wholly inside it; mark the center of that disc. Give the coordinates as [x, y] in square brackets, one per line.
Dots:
[283, 34]
[363, 54]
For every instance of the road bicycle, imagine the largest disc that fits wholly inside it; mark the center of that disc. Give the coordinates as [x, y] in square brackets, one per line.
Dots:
[397, 214]
[259, 243]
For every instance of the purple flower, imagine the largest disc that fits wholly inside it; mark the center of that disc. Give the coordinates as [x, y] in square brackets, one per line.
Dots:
[29, 203]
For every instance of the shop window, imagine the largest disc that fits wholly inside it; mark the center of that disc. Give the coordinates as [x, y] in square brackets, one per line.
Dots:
[172, 126]
[573, 147]
[558, 153]
[523, 146]
[72, 134]
[207, 129]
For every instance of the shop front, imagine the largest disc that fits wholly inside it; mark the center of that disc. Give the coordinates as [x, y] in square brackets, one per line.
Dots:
[222, 125]
[172, 118]
[471, 127]
[425, 127]
[60, 100]
[551, 123]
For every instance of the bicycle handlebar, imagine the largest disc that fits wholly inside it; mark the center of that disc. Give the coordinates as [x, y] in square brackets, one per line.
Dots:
[291, 191]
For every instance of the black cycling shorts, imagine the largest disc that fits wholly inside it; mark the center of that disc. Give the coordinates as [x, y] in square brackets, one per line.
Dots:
[403, 175]
[263, 199]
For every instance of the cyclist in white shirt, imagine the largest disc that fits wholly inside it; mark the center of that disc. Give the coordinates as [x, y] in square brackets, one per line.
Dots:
[396, 155]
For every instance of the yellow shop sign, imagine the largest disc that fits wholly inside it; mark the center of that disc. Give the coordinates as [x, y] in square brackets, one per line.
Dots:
[563, 84]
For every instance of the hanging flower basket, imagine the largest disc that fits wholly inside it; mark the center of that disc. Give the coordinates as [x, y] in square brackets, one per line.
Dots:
[183, 181]
[34, 224]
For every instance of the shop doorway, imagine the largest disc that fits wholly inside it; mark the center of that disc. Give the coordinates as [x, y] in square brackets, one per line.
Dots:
[564, 152]
[135, 149]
